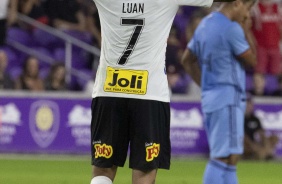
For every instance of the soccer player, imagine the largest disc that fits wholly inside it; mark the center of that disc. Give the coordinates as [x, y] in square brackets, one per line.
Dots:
[131, 96]
[215, 58]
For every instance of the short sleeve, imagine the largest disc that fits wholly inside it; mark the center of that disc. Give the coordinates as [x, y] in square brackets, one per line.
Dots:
[191, 45]
[237, 40]
[205, 3]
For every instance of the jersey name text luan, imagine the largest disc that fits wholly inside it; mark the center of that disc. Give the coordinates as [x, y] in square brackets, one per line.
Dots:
[132, 7]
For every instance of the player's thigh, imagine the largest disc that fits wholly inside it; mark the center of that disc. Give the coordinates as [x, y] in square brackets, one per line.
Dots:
[109, 131]
[149, 134]
[224, 129]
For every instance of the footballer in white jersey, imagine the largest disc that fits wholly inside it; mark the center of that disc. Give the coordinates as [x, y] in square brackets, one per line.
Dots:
[130, 106]
[134, 40]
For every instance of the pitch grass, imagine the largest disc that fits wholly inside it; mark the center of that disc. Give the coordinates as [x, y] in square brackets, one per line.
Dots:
[20, 169]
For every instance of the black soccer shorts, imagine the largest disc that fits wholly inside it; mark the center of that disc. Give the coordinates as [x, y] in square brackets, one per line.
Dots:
[3, 32]
[141, 125]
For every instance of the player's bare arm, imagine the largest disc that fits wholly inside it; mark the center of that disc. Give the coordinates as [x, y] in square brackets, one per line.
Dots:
[190, 64]
[248, 58]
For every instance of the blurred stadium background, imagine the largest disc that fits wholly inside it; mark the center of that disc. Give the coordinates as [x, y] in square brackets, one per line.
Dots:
[44, 131]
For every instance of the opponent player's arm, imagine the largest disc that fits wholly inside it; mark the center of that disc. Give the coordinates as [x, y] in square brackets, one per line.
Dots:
[190, 64]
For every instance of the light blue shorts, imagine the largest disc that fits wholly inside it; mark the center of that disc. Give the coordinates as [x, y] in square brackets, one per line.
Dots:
[225, 131]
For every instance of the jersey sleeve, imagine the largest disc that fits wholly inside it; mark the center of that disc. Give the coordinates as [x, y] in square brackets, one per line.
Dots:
[205, 3]
[191, 45]
[237, 40]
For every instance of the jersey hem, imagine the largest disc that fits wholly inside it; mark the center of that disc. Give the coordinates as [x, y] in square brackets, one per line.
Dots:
[155, 98]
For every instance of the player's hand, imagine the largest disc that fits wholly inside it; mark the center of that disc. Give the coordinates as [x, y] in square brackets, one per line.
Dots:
[247, 22]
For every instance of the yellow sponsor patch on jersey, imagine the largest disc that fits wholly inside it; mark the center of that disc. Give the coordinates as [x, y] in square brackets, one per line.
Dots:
[126, 81]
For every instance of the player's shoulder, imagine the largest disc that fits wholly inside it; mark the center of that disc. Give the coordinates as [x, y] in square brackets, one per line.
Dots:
[216, 18]
[234, 28]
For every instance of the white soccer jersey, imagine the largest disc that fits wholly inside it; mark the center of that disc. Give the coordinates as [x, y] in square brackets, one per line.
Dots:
[3, 8]
[134, 40]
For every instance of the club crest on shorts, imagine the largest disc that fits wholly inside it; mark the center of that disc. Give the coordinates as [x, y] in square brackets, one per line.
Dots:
[103, 150]
[44, 122]
[152, 151]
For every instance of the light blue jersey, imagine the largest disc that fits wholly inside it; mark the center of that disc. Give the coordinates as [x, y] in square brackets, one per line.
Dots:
[216, 43]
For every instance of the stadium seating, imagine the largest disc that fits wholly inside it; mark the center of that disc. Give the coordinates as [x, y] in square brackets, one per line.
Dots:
[271, 83]
[48, 45]
[12, 57]
[20, 35]
[15, 72]
[44, 39]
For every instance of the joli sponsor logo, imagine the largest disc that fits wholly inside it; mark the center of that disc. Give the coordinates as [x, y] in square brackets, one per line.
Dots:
[126, 81]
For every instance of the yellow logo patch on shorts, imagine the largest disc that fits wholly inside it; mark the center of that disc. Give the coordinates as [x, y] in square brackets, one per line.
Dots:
[152, 152]
[103, 150]
[126, 81]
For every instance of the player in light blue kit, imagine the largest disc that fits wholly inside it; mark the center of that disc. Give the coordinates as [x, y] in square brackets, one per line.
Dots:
[215, 58]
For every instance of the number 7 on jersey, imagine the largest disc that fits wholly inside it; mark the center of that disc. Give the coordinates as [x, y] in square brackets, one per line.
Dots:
[139, 24]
